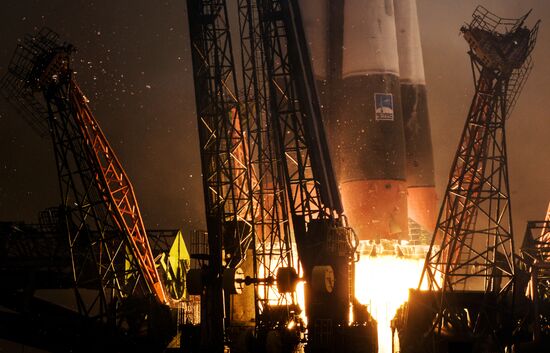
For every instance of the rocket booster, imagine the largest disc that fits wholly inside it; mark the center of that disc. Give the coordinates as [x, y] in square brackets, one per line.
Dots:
[354, 54]
[369, 141]
[367, 60]
[422, 200]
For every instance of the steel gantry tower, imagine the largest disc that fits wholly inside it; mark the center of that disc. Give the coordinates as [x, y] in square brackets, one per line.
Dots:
[109, 249]
[325, 245]
[474, 228]
[291, 186]
[224, 159]
[276, 301]
[535, 256]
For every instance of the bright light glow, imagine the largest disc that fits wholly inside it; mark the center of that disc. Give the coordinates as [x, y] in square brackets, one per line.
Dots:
[300, 293]
[271, 292]
[383, 284]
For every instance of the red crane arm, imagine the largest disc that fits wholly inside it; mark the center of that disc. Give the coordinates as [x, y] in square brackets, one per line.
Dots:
[118, 190]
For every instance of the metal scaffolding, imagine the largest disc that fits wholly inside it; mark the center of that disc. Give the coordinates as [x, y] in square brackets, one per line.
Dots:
[473, 248]
[273, 249]
[224, 157]
[109, 250]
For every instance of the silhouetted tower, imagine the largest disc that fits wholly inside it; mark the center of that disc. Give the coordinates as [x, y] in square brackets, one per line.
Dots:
[536, 243]
[274, 258]
[224, 160]
[290, 174]
[472, 247]
[535, 255]
[325, 244]
[110, 253]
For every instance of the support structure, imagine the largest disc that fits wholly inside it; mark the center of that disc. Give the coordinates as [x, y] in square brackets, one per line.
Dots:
[536, 243]
[224, 159]
[291, 186]
[108, 245]
[325, 244]
[472, 250]
[535, 256]
[273, 249]
[36, 262]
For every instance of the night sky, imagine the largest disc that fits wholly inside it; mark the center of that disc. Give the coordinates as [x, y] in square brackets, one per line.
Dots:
[133, 63]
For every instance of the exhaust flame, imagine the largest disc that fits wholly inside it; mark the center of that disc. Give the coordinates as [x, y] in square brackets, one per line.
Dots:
[382, 283]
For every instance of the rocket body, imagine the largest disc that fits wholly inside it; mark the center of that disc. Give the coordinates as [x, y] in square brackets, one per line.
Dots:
[354, 55]
[375, 115]
[366, 129]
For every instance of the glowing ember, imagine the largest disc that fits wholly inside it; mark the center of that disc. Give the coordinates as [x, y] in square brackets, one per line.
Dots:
[383, 284]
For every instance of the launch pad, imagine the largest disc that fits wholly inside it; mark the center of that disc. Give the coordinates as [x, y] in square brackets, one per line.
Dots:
[319, 198]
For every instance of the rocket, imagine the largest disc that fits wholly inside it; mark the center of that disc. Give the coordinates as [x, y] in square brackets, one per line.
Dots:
[355, 59]
[371, 113]
[369, 141]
